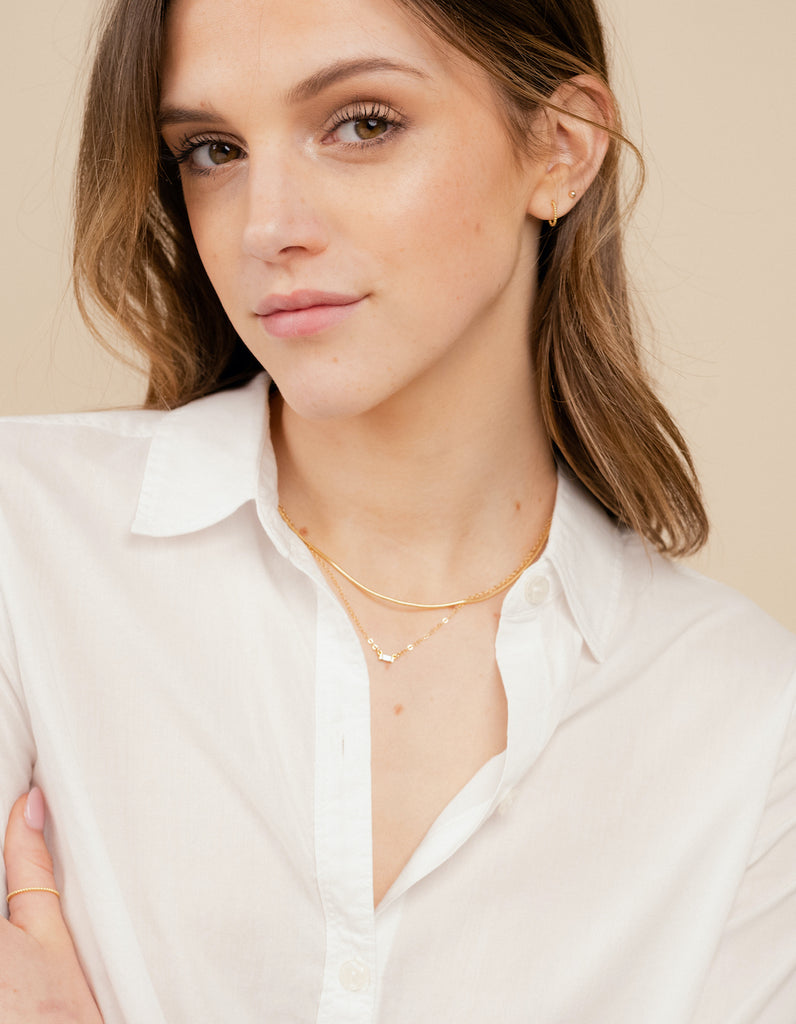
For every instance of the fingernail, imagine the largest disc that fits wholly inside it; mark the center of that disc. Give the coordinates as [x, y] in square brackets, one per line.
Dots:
[34, 809]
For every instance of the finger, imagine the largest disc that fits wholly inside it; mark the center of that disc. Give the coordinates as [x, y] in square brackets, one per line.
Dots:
[29, 865]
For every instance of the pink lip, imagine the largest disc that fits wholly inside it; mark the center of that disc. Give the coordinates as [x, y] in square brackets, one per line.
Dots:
[304, 312]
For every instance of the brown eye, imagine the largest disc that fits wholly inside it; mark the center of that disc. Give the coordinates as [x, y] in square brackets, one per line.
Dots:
[363, 125]
[206, 156]
[219, 153]
[370, 128]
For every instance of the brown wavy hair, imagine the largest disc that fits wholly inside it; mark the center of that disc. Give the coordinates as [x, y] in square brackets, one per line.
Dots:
[136, 266]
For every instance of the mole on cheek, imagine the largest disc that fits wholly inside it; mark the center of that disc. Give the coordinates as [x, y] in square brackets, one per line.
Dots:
[398, 709]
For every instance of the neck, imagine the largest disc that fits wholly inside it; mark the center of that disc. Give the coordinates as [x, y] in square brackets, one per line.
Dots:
[397, 496]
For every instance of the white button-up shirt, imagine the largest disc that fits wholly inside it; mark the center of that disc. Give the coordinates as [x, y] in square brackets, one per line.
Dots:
[178, 677]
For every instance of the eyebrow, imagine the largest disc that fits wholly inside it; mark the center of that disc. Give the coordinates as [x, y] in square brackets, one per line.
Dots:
[344, 69]
[186, 115]
[305, 90]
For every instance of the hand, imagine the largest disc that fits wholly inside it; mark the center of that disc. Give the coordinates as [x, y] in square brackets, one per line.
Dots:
[40, 977]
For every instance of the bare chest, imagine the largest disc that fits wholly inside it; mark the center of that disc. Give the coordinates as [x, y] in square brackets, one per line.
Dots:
[435, 720]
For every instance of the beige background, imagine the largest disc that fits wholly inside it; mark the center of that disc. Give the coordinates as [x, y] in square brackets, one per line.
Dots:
[713, 247]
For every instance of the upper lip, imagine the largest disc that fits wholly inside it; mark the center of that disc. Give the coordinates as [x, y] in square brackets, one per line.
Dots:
[302, 299]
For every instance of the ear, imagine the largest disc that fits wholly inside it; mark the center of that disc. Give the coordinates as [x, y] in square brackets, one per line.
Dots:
[576, 144]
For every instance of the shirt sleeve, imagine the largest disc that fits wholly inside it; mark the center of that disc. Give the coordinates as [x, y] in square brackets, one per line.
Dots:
[17, 749]
[752, 979]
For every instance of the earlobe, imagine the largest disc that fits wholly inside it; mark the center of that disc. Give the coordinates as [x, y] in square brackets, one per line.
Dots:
[575, 121]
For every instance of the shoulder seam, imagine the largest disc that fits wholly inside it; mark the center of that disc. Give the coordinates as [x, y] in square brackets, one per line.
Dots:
[112, 421]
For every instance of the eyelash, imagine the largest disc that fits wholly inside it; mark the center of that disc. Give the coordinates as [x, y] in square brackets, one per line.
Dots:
[188, 145]
[358, 111]
[367, 111]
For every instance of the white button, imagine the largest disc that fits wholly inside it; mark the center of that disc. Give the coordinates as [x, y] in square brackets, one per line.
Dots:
[354, 976]
[536, 589]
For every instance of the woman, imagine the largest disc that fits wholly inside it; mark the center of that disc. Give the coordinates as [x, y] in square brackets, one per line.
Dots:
[546, 776]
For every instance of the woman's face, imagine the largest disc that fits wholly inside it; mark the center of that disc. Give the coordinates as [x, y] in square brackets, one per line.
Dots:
[354, 195]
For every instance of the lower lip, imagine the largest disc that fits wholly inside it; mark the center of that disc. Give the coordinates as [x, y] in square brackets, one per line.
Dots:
[297, 323]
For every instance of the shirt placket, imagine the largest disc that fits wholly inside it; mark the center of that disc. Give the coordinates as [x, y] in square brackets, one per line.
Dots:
[343, 844]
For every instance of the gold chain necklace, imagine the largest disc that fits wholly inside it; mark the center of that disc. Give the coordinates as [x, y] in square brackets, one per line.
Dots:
[377, 650]
[481, 595]
[327, 566]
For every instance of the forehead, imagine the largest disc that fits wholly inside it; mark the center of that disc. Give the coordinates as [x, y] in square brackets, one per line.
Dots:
[280, 40]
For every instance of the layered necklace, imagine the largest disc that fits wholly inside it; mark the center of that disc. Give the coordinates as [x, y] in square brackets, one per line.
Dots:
[331, 570]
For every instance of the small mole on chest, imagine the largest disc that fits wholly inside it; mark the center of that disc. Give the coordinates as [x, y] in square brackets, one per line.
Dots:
[398, 709]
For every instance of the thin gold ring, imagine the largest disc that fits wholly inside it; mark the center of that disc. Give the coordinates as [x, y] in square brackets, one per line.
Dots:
[32, 888]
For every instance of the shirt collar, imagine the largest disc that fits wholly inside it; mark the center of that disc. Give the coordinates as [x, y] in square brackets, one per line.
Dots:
[585, 550]
[210, 457]
[204, 462]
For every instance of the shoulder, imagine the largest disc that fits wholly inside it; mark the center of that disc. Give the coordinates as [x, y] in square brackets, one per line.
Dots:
[20, 433]
[85, 472]
[681, 598]
[114, 430]
[58, 455]
[701, 628]
[23, 435]
[644, 613]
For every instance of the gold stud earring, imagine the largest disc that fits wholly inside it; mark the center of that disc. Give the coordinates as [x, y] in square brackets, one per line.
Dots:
[572, 194]
[554, 219]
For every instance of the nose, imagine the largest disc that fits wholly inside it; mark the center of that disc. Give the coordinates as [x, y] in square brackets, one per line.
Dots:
[283, 217]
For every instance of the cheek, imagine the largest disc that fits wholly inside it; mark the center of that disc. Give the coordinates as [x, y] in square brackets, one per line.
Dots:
[212, 252]
[455, 230]
[215, 234]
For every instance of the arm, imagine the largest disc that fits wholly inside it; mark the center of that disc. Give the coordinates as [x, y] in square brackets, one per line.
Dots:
[40, 977]
[753, 977]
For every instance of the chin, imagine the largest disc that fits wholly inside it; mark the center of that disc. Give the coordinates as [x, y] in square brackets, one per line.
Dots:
[326, 404]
